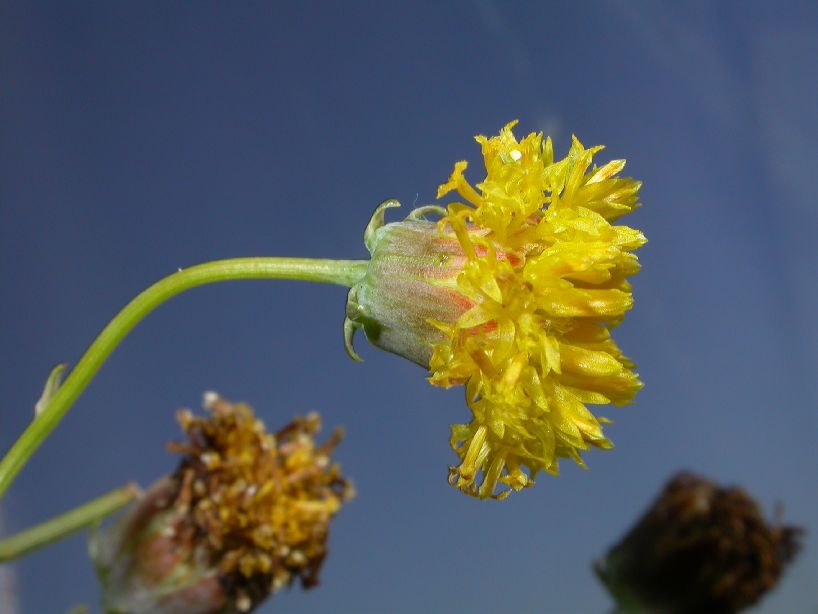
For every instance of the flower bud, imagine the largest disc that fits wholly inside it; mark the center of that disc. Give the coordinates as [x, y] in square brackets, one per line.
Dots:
[245, 513]
[699, 548]
[410, 283]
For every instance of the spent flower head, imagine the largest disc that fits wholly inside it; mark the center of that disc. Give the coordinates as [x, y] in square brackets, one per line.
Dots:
[512, 292]
[245, 513]
[698, 548]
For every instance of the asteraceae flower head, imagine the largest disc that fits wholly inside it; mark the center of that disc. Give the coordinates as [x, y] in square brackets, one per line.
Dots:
[512, 292]
[245, 513]
[700, 547]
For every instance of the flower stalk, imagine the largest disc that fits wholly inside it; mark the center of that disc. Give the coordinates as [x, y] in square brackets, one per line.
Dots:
[340, 272]
[65, 524]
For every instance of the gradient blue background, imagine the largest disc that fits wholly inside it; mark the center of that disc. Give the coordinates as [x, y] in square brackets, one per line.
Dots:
[139, 138]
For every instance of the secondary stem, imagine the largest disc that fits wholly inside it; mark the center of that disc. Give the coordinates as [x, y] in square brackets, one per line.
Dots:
[66, 524]
[341, 272]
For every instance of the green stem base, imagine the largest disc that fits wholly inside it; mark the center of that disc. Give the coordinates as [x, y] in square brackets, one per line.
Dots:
[65, 524]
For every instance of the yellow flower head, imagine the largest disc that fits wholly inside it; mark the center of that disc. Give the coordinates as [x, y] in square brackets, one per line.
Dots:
[513, 293]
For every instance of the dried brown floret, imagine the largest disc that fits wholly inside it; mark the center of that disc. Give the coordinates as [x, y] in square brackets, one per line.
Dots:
[245, 513]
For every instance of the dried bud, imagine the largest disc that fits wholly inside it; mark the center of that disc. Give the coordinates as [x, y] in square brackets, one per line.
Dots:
[699, 548]
[245, 513]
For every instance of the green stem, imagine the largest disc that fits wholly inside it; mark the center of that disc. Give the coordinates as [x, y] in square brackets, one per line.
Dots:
[65, 524]
[341, 272]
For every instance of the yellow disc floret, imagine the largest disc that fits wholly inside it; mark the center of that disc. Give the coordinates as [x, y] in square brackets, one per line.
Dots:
[546, 273]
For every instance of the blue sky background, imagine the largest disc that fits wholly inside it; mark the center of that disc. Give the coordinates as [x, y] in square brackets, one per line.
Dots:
[139, 138]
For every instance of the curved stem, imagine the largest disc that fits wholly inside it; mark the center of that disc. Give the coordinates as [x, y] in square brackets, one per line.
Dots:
[65, 524]
[341, 272]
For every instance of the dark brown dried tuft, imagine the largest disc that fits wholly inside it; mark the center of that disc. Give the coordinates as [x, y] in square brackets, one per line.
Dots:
[699, 548]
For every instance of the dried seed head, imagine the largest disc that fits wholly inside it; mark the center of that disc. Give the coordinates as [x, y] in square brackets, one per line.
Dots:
[699, 548]
[245, 513]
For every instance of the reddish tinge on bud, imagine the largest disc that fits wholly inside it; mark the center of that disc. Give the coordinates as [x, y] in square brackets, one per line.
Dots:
[699, 548]
[245, 513]
[410, 283]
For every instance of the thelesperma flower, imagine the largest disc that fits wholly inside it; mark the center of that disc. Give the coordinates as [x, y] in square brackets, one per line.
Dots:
[245, 513]
[513, 293]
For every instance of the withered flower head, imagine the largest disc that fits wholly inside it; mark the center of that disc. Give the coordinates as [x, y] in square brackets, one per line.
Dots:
[699, 548]
[244, 514]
